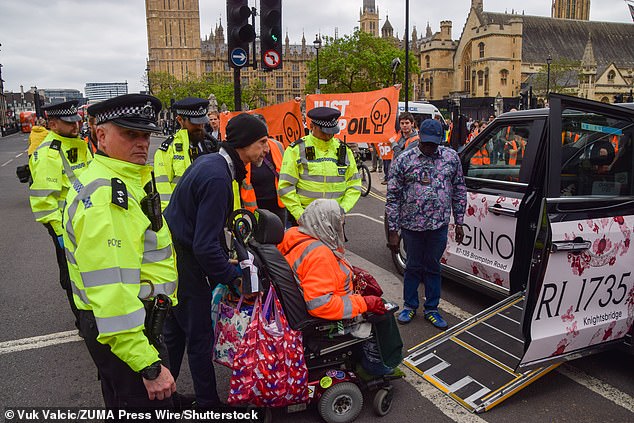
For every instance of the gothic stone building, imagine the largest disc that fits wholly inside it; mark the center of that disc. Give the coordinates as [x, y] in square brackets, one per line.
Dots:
[499, 52]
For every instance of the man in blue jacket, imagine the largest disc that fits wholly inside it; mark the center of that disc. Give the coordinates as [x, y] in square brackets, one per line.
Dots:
[196, 216]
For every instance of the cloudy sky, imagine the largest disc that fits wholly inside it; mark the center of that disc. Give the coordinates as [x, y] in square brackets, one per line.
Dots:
[66, 43]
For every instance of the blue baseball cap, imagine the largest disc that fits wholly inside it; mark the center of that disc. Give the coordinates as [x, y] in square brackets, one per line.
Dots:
[430, 131]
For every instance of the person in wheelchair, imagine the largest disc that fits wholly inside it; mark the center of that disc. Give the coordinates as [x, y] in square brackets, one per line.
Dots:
[315, 252]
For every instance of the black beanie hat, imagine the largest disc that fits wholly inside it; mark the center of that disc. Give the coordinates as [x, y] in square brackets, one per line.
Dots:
[244, 129]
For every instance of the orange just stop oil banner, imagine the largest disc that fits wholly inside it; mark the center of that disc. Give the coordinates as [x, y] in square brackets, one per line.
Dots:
[284, 121]
[365, 117]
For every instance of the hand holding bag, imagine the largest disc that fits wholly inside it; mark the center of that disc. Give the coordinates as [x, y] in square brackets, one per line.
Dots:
[270, 370]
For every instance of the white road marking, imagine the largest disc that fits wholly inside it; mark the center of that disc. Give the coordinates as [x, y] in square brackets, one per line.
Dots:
[598, 386]
[39, 342]
[6, 163]
[19, 155]
[365, 216]
[442, 401]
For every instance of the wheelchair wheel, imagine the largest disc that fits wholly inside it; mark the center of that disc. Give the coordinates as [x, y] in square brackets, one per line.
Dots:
[366, 179]
[341, 403]
[382, 403]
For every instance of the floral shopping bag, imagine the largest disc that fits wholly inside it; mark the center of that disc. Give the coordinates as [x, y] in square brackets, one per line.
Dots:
[270, 370]
[231, 324]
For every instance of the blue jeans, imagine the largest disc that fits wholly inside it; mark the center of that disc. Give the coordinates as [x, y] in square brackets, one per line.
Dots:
[386, 168]
[424, 250]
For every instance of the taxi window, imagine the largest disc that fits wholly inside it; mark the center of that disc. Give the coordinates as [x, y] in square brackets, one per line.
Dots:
[500, 155]
[597, 156]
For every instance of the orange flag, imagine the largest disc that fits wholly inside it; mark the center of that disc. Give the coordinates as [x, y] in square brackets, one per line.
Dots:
[284, 121]
[365, 117]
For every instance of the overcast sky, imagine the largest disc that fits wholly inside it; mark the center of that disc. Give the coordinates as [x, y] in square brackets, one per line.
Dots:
[66, 43]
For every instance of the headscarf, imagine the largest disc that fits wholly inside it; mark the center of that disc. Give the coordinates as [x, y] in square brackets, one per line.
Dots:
[323, 219]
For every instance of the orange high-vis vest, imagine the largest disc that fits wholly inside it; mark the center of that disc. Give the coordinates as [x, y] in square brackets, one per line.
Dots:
[571, 135]
[247, 193]
[385, 150]
[325, 279]
[481, 157]
[614, 140]
[512, 147]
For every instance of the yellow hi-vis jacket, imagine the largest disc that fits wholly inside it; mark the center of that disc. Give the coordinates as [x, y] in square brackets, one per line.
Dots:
[304, 178]
[114, 257]
[170, 162]
[55, 165]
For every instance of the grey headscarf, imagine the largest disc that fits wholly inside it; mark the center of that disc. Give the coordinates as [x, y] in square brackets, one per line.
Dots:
[323, 219]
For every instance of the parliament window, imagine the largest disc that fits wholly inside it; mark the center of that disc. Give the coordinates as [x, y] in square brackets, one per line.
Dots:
[279, 82]
[481, 48]
[504, 75]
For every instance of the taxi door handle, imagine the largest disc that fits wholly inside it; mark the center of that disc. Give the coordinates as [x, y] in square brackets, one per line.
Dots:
[504, 211]
[574, 246]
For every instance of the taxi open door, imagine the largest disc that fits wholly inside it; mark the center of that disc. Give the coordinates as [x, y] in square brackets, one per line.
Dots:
[580, 295]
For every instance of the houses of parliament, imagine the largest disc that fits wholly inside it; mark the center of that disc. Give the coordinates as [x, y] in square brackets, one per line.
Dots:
[496, 53]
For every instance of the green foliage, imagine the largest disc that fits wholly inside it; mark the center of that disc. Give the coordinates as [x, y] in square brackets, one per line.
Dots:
[356, 63]
[564, 76]
[166, 87]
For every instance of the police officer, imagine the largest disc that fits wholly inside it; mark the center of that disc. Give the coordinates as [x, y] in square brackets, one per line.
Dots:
[197, 214]
[55, 165]
[121, 258]
[178, 151]
[319, 166]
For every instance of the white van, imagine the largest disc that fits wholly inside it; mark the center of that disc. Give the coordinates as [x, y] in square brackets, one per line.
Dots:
[421, 111]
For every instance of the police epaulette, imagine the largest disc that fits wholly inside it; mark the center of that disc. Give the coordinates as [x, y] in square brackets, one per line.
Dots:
[119, 193]
[165, 145]
[297, 142]
[55, 145]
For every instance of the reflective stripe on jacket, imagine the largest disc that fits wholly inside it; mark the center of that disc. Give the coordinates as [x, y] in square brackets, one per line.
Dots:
[170, 165]
[247, 193]
[325, 280]
[303, 180]
[114, 258]
[54, 166]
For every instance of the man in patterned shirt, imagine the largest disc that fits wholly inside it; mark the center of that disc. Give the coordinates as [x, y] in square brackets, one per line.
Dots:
[424, 185]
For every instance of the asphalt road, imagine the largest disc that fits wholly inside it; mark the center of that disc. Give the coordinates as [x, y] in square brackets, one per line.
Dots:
[44, 364]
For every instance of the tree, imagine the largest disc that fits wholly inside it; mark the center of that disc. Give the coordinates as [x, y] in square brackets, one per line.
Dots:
[166, 87]
[564, 77]
[356, 63]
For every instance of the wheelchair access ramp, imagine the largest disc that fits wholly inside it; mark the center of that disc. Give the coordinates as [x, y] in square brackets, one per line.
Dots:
[474, 362]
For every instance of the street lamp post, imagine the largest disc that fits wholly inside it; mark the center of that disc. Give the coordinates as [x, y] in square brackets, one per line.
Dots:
[317, 45]
[149, 85]
[548, 61]
[396, 62]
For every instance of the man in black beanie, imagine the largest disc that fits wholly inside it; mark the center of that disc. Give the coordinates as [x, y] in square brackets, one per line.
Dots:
[196, 215]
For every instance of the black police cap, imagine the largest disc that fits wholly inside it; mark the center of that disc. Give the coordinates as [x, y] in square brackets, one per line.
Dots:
[132, 111]
[66, 111]
[326, 118]
[192, 108]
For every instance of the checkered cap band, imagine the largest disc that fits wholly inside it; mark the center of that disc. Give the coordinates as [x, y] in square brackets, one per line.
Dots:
[127, 112]
[71, 111]
[326, 123]
[202, 111]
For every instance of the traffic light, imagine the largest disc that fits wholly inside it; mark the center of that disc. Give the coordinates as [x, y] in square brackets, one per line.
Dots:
[523, 101]
[239, 32]
[271, 33]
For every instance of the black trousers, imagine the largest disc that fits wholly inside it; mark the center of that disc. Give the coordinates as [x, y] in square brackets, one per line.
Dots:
[64, 277]
[120, 385]
[189, 325]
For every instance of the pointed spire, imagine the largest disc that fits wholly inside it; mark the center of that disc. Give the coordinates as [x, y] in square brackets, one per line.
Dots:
[588, 60]
[414, 34]
[428, 33]
[286, 40]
